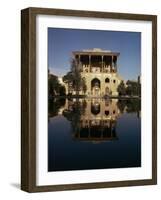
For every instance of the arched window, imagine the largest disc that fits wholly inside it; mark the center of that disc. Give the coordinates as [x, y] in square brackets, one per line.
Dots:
[107, 112]
[95, 83]
[107, 80]
[95, 108]
[114, 81]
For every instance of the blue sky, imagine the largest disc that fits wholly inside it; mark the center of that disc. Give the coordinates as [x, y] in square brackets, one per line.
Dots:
[61, 43]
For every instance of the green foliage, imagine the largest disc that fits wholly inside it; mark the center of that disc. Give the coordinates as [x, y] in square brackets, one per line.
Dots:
[61, 90]
[53, 84]
[84, 86]
[74, 78]
[133, 88]
[121, 88]
[54, 87]
[68, 77]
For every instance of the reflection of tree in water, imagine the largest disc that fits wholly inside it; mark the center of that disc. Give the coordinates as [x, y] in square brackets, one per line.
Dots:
[129, 105]
[121, 104]
[54, 105]
[93, 120]
[133, 105]
[75, 109]
[74, 112]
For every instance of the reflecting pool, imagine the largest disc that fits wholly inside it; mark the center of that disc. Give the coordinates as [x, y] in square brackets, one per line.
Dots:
[94, 134]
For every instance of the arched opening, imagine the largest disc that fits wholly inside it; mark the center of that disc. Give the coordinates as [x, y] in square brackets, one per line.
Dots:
[95, 87]
[107, 80]
[107, 112]
[95, 108]
[107, 91]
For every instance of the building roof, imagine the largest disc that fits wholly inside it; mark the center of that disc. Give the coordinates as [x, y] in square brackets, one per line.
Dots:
[95, 51]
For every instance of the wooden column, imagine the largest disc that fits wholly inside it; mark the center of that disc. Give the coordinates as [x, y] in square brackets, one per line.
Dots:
[116, 64]
[79, 62]
[78, 59]
[89, 63]
[112, 63]
[102, 65]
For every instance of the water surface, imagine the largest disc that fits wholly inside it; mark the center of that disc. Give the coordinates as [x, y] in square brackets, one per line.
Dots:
[93, 134]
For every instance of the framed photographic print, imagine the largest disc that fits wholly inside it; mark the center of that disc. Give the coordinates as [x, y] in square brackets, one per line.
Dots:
[89, 99]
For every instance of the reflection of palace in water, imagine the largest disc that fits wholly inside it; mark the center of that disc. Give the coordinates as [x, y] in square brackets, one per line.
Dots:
[97, 119]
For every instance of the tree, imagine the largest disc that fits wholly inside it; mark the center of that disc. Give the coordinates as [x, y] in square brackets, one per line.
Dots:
[74, 79]
[54, 87]
[84, 86]
[68, 79]
[121, 88]
[62, 90]
[77, 79]
[133, 88]
[53, 84]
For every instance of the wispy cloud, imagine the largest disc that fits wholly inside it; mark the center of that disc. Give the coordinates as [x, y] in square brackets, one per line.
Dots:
[58, 71]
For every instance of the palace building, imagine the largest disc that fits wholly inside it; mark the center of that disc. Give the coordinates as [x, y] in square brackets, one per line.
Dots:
[99, 70]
